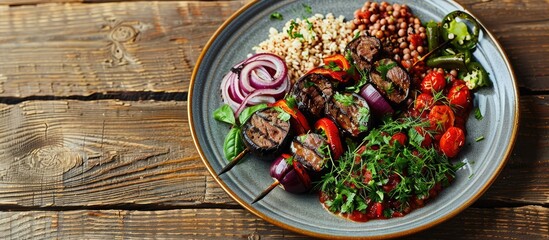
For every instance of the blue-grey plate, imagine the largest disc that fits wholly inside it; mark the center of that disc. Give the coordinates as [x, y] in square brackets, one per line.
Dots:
[303, 213]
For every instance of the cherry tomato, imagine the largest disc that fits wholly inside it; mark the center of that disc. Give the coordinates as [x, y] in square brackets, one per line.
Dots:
[452, 141]
[433, 82]
[423, 102]
[441, 118]
[400, 137]
[460, 96]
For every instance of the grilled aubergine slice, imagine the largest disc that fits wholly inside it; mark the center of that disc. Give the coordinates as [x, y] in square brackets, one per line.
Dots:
[364, 51]
[311, 93]
[266, 133]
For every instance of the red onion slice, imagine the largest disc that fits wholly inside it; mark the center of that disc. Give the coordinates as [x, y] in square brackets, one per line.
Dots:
[379, 106]
[262, 78]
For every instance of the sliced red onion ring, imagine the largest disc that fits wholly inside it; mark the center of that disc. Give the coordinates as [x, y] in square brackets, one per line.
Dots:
[262, 78]
[379, 106]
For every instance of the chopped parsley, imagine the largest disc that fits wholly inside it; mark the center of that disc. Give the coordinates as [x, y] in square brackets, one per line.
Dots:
[478, 114]
[283, 115]
[293, 30]
[276, 16]
[345, 99]
[384, 68]
[290, 160]
[376, 171]
[332, 66]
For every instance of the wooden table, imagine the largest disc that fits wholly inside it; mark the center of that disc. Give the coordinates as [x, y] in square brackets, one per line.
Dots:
[95, 141]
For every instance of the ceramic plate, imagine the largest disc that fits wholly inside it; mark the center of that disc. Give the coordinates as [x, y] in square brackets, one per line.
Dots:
[303, 213]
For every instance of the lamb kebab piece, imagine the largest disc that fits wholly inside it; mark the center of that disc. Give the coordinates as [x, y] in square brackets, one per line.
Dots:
[391, 80]
[350, 112]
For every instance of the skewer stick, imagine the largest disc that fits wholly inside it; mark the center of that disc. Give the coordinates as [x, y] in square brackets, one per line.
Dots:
[266, 191]
[232, 163]
[431, 52]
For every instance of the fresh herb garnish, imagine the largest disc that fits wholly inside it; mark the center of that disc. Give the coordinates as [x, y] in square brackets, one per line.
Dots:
[308, 9]
[291, 102]
[346, 100]
[233, 143]
[351, 184]
[293, 30]
[332, 66]
[363, 115]
[479, 139]
[290, 161]
[276, 16]
[308, 84]
[283, 115]
[225, 114]
[384, 68]
[247, 112]
[478, 114]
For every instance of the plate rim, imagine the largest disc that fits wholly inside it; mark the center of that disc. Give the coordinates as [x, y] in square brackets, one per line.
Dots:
[511, 142]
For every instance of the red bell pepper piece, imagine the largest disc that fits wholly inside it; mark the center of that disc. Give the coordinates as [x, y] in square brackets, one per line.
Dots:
[335, 66]
[298, 120]
[339, 60]
[339, 75]
[332, 134]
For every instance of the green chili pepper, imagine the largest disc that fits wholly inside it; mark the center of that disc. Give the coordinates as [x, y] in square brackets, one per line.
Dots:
[458, 31]
[448, 62]
[433, 35]
[475, 76]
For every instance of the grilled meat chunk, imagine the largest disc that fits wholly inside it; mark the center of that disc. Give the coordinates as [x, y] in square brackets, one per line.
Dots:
[310, 149]
[350, 112]
[311, 93]
[364, 50]
[391, 80]
[265, 133]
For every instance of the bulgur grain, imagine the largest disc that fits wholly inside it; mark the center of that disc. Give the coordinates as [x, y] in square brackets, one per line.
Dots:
[317, 37]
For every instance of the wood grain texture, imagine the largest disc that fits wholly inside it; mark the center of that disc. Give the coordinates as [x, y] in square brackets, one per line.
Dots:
[94, 153]
[82, 49]
[103, 153]
[529, 222]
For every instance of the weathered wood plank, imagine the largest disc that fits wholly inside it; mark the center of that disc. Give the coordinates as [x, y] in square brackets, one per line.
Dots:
[528, 222]
[81, 49]
[103, 153]
[73, 153]
[36, 2]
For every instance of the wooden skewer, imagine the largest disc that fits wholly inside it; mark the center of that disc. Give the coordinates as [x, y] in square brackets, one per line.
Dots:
[232, 163]
[431, 52]
[266, 191]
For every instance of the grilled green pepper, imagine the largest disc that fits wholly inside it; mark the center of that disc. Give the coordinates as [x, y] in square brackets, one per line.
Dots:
[475, 76]
[458, 31]
[456, 61]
